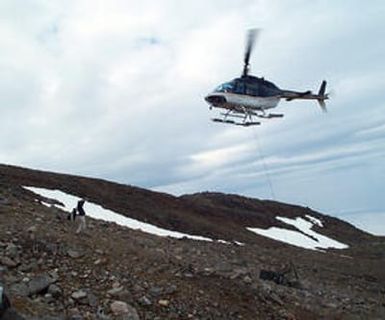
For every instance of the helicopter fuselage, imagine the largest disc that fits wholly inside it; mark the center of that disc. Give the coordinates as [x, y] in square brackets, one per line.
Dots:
[245, 92]
[236, 101]
[253, 93]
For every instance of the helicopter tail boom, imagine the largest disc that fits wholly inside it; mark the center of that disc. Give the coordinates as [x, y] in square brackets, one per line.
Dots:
[321, 96]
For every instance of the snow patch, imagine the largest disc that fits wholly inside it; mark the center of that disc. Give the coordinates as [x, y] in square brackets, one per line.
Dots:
[98, 212]
[314, 220]
[49, 205]
[237, 243]
[299, 239]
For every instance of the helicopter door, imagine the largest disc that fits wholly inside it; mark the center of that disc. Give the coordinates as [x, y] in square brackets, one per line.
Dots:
[252, 90]
[240, 88]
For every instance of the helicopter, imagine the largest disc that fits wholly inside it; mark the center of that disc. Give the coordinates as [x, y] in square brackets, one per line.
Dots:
[248, 97]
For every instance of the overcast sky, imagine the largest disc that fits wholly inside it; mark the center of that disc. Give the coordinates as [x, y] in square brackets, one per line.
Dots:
[114, 89]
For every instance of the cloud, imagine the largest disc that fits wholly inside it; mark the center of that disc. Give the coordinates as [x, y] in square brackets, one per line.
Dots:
[114, 89]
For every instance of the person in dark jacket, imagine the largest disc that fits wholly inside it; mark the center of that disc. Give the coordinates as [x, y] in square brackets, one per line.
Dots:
[82, 216]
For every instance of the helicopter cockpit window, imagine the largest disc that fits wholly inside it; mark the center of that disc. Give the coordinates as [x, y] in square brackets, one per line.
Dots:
[225, 87]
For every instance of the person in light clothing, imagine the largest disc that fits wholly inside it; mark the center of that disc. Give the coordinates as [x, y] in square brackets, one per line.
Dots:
[82, 216]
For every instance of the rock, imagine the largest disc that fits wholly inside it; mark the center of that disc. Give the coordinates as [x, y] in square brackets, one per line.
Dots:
[164, 302]
[144, 301]
[115, 291]
[28, 267]
[275, 298]
[188, 274]
[49, 298]
[92, 299]
[4, 201]
[247, 280]
[284, 314]
[55, 291]
[32, 229]
[54, 275]
[78, 295]
[170, 290]
[70, 302]
[120, 308]
[74, 254]
[100, 315]
[238, 272]
[155, 291]
[137, 289]
[19, 289]
[39, 284]
[8, 262]
[12, 251]
[208, 271]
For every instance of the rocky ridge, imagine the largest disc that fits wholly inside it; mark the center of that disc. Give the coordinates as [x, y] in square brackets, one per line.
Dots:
[111, 272]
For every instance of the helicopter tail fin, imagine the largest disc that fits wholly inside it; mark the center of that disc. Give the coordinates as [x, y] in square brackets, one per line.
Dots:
[322, 96]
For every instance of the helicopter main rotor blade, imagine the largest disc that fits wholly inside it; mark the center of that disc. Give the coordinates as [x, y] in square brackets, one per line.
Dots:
[251, 37]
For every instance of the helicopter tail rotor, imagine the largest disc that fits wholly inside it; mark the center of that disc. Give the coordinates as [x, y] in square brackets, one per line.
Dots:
[251, 37]
[322, 96]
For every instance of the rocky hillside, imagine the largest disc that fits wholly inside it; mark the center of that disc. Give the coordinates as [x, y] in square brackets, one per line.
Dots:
[113, 272]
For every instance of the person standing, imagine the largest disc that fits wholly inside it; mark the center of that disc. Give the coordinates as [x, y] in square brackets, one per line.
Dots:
[82, 216]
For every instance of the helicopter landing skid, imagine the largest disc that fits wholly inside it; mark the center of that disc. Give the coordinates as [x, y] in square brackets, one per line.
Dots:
[244, 124]
[246, 118]
[270, 115]
[262, 114]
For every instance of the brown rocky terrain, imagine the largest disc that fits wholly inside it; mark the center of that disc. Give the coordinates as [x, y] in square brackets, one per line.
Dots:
[113, 272]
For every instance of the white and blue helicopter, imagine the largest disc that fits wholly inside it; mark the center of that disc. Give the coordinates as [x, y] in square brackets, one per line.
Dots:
[247, 97]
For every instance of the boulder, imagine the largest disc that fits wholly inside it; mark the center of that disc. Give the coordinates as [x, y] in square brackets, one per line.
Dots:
[78, 295]
[74, 253]
[55, 291]
[19, 289]
[8, 262]
[124, 311]
[39, 284]
[144, 301]
[12, 251]
[115, 292]
[119, 307]
[164, 302]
